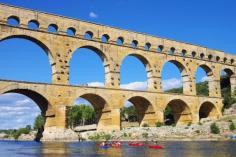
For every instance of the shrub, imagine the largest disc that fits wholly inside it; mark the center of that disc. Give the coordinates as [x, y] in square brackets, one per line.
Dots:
[145, 125]
[215, 129]
[107, 137]
[145, 135]
[20, 131]
[159, 124]
[232, 126]
[197, 131]
[189, 123]
[95, 137]
[125, 134]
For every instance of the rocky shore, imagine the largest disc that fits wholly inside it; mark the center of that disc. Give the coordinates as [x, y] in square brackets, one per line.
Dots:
[190, 132]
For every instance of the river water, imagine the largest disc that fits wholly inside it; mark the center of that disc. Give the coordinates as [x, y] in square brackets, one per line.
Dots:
[89, 149]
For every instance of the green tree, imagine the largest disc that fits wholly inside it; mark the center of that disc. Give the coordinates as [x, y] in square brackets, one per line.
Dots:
[232, 126]
[129, 113]
[16, 133]
[78, 114]
[38, 122]
[214, 128]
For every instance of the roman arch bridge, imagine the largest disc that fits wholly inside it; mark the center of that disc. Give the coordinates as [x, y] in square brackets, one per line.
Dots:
[153, 52]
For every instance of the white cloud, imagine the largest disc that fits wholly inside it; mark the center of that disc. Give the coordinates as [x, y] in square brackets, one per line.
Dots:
[205, 78]
[135, 86]
[17, 111]
[96, 84]
[93, 15]
[171, 83]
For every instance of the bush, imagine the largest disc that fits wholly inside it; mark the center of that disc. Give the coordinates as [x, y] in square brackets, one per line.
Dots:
[159, 124]
[107, 137]
[20, 131]
[145, 125]
[190, 123]
[145, 135]
[197, 131]
[215, 129]
[232, 126]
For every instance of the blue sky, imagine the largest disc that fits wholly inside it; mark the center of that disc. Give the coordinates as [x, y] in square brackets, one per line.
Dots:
[204, 22]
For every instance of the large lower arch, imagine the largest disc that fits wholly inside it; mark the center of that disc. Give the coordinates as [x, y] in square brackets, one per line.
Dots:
[208, 110]
[185, 79]
[14, 39]
[102, 110]
[180, 112]
[43, 104]
[143, 82]
[88, 75]
[145, 110]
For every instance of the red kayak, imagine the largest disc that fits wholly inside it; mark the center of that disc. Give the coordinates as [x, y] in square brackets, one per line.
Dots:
[116, 144]
[155, 147]
[136, 144]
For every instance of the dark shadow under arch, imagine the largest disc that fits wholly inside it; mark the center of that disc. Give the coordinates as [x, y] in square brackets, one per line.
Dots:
[143, 108]
[207, 110]
[178, 111]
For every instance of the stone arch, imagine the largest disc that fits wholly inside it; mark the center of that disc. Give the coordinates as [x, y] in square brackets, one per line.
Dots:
[208, 110]
[37, 97]
[101, 107]
[145, 110]
[34, 40]
[181, 112]
[98, 52]
[35, 23]
[146, 63]
[186, 80]
[210, 78]
[228, 79]
[94, 48]
[37, 42]
[47, 111]
[15, 18]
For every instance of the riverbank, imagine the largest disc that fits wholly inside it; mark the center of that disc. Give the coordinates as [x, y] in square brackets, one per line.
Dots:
[190, 132]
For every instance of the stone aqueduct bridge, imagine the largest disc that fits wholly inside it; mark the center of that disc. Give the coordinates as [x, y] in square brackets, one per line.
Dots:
[153, 52]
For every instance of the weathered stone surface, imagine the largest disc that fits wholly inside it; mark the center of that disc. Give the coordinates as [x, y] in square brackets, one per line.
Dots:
[56, 134]
[54, 99]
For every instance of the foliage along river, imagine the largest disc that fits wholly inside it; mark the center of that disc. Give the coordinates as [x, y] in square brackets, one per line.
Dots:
[89, 149]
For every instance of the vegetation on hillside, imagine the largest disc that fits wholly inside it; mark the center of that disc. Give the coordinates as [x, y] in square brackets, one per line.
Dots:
[15, 133]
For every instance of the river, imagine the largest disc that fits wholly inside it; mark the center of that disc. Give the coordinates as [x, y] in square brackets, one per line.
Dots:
[89, 149]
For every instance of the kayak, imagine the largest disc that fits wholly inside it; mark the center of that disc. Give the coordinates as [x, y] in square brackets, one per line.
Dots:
[115, 145]
[136, 144]
[155, 147]
[104, 147]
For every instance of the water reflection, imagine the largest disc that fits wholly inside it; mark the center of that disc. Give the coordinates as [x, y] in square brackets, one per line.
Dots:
[91, 149]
